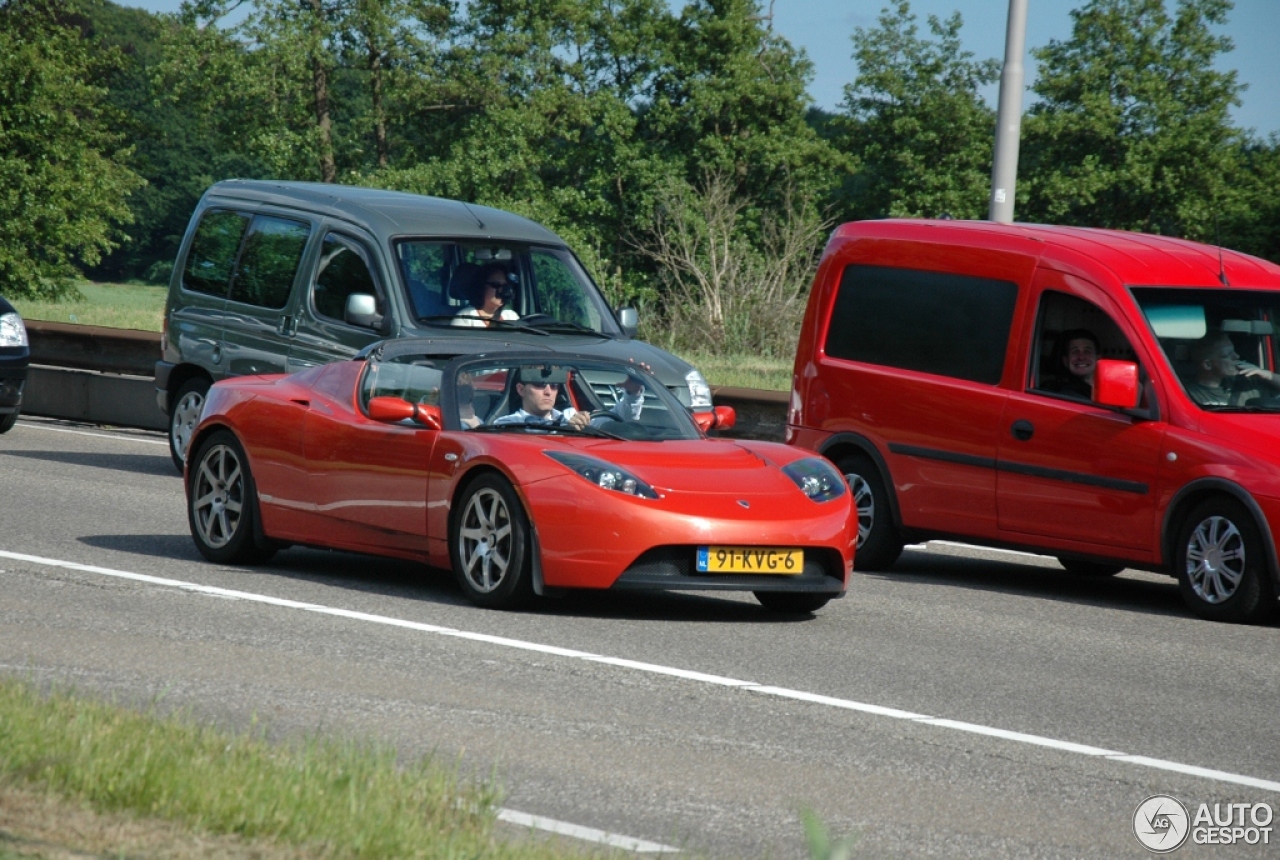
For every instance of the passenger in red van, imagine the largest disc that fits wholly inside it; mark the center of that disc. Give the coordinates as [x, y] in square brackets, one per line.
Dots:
[1219, 373]
[1078, 355]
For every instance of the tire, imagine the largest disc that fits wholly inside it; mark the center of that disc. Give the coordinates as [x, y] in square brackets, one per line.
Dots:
[184, 415]
[489, 544]
[7, 421]
[1221, 565]
[879, 543]
[791, 602]
[222, 503]
[1080, 567]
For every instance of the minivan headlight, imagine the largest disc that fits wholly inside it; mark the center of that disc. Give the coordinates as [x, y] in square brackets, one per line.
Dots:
[699, 390]
[12, 331]
[603, 474]
[816, 478]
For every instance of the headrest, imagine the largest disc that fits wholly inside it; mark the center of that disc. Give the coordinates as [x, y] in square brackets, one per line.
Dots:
[462, 280]
[542, 373]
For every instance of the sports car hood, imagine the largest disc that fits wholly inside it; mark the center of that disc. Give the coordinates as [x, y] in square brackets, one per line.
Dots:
[708, 466]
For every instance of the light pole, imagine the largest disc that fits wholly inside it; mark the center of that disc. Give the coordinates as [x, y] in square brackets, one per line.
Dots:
[1004, 166]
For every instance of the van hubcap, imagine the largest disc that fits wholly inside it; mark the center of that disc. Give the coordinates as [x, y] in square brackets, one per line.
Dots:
[1215, 559]
[865, 502]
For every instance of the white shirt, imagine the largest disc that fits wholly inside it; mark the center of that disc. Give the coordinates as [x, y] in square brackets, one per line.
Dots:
[469, 317]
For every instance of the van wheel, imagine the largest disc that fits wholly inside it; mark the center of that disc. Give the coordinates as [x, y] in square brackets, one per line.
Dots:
[489, 545]
[1221, 566]
[7, 422]
[879, 543]
[1080, 567]
[184, 415]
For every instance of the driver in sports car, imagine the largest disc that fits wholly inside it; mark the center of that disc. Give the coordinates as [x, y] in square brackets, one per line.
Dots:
[537, 388]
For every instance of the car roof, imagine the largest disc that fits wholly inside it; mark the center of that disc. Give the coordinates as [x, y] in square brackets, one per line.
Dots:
[1135, 259]
[388, 213]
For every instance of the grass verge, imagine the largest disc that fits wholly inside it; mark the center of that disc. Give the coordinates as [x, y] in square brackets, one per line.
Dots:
[317, 798]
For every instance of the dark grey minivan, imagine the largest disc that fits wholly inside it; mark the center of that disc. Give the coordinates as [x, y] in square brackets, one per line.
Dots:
[275, 276]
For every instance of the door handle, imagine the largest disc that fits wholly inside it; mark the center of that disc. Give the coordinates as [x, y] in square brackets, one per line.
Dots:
[1022, 430]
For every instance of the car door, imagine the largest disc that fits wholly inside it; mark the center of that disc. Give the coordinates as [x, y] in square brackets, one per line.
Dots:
[344, 266]
[1070, 469]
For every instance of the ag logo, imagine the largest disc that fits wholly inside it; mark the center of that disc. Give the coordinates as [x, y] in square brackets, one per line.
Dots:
[1160, 823]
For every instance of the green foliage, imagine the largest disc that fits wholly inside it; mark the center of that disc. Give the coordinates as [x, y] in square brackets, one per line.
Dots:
[63, 179]
[821, 845]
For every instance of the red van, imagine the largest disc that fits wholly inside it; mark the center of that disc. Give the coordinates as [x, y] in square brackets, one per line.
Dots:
[1108, 398]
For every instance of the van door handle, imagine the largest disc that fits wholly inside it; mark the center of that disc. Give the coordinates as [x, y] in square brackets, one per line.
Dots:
[1023, 430]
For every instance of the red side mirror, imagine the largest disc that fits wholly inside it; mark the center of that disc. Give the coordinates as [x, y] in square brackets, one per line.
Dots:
[392, 410]
[1115, 383]
[429, 415]
[720, 418]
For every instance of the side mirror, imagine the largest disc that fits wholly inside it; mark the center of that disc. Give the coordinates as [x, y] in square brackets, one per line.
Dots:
[720, 418]
[392, 410]
[362, 310]
[1115, 383]
[629, 319]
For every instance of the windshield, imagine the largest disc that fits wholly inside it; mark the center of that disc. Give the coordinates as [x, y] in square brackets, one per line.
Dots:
[496, 285]
[1220, 343]
[595, 398]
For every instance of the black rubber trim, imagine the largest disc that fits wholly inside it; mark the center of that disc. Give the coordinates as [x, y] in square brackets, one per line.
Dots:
[1063, 475]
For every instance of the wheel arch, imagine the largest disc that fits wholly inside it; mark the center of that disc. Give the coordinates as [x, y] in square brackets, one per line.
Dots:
[1186, 499]
[484, 468]
[844, 444]
[180, 376]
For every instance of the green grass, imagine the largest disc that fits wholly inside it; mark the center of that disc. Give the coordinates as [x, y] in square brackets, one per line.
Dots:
[743, 371]
[330, 798]
[132, 305]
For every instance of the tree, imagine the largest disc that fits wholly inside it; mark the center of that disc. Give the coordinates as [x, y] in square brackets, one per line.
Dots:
[1132, 129]
[63, 179]
[914, 121]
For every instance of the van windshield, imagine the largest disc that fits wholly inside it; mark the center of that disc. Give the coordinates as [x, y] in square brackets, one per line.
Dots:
[495, 285]
[1220, 343]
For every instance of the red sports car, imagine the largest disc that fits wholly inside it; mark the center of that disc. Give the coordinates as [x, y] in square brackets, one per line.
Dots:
[524, 471]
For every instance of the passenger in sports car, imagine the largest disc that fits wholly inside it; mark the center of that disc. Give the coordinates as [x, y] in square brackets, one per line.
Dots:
[538, 387]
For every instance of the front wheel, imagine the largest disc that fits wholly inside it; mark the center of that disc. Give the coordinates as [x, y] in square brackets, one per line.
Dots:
[489, 544]
[879, 543]
[791, 602]
[184, 415]
[1221, 565]
[222, 503]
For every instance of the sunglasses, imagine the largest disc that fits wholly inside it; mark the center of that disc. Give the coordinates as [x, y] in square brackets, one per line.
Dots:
[497, 285]
[541, 384]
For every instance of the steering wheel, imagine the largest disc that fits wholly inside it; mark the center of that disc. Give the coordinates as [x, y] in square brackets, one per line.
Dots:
[605, 413]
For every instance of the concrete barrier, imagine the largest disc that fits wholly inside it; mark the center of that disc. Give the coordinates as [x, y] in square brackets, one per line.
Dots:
[105, 376]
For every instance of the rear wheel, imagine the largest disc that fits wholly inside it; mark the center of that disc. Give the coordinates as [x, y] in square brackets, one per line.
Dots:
[1080, 567]
[792, 602]
[222, 503]
[184, 415]
[879, 543]
[1221, 565]
[489, 544]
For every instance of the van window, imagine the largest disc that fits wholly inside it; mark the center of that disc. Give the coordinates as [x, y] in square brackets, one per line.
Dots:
[1066, 322]
[343, 271]
[950, 325]
[213, 252]
[269, 262]
[557, 286]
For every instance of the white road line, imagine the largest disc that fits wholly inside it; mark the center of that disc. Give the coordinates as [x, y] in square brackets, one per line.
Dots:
[700, 677]
[590, 834]
[29, 426]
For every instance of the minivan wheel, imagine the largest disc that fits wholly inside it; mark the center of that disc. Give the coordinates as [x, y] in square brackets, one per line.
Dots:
[7, 422]
[1080, 567]
[1221, 565]
[879, 543]
[184, 415]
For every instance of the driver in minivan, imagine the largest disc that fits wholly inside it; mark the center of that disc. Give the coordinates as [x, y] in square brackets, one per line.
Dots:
[1221, 378]
[489, 294]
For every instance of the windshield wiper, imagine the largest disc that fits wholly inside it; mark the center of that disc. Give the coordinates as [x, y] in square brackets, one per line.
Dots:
[562, 326]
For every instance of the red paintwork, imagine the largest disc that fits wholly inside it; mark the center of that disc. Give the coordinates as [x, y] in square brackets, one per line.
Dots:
[329, 475]
[883, 405]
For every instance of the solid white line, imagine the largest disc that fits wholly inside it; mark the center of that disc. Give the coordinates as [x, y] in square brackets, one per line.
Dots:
[700, 677]
[127, 438]
[589, 834]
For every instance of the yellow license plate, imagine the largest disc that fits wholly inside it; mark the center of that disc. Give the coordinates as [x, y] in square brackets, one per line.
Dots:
[750, 559]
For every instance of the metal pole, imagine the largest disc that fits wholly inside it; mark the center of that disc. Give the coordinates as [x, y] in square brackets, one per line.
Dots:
[1004, 166]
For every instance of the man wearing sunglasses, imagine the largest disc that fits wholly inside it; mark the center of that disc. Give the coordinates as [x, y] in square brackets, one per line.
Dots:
[537, 388]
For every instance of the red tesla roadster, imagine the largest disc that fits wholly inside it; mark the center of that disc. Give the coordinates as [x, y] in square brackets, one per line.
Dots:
[525, 472]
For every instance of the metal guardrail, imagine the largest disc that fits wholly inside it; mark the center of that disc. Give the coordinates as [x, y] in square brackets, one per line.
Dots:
[106, 376]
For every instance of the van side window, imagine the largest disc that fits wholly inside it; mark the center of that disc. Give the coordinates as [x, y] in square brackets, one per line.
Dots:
[213, 252]
[949, 325]
[1067, 331]
[343, 271]
[269, 262]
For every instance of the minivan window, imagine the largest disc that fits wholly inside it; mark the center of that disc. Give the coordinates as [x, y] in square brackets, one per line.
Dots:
[343, 271]
[933, 322]
[213, 252]
[269, 262]
[1066, 322]
[1222, 344]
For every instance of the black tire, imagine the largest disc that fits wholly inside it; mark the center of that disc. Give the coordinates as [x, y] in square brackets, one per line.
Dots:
[222, 503]
[489, 544]
[184, 415]
[792, 602]
[7, 421]
[879, 543]
[1221, 565]
[1080, 567]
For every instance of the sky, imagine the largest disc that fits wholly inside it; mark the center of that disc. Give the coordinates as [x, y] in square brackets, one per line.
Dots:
[823, 29]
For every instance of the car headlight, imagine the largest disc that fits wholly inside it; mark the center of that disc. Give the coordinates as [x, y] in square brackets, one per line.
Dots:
[12, 331]
[699, 390]
[816, 478]
[603, 474]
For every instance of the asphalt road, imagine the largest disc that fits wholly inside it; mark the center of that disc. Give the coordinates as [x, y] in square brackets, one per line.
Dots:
[967, 704]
